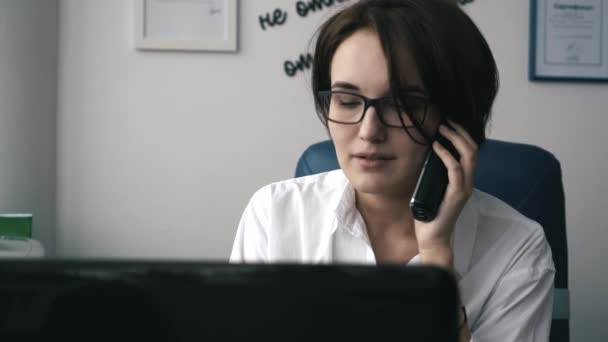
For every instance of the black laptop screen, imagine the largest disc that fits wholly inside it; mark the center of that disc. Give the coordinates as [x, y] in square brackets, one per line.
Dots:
[188, 301]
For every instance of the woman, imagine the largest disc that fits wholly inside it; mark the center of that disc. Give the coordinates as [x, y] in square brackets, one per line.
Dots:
[387, 77]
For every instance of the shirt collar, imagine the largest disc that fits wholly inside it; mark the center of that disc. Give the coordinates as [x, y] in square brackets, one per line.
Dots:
[347, 215]
[463, 237]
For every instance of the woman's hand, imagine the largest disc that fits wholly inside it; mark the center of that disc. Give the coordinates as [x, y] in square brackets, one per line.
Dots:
[434, 237]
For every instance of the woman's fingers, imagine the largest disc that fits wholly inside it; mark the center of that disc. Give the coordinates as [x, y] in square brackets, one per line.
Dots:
[458, 128]
[466, 147]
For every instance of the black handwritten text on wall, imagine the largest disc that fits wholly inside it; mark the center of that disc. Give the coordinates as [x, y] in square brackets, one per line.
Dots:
[303, 63]
[278, 17]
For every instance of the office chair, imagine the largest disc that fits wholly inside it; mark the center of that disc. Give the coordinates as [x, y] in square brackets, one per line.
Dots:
[526, 177]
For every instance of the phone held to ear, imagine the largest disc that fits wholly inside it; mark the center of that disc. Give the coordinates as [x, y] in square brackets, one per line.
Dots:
[432, 183]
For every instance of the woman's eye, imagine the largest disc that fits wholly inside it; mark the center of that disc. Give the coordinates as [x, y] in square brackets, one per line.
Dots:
[390, 106]
[349, 103]
[412, 109]
[414, 105]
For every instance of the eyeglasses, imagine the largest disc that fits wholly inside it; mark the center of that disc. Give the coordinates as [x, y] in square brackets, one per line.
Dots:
[350, 108]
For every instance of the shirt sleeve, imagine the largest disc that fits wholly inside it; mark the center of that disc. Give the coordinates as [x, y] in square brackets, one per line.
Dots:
[251, 241]
[521, 305]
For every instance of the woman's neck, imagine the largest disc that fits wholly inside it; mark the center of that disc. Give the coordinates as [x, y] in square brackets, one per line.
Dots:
[390, 215]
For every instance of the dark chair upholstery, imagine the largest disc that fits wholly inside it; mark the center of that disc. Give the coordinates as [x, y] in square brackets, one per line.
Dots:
[526, 177]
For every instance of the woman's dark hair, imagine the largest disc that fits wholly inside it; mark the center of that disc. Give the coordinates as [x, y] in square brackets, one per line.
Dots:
[454, 60]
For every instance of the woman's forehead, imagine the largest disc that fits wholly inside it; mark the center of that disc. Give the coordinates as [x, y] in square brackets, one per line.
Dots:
[360, 60]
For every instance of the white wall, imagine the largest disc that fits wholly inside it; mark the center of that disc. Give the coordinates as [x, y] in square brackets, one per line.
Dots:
[28, 94]
[159, 152]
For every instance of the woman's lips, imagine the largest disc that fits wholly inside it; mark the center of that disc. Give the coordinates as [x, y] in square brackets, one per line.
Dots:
[372, 161]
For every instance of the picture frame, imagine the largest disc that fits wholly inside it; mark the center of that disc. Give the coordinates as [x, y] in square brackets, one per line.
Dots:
[568, 40]
[186, 25]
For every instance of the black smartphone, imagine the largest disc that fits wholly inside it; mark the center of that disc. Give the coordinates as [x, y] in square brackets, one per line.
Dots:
[432, 183]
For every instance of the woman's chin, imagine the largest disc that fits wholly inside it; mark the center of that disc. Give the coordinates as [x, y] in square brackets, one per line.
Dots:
[381, 185]
[373, 186]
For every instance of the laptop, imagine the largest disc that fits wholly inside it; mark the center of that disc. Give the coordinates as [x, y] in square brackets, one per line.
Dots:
[204, 301]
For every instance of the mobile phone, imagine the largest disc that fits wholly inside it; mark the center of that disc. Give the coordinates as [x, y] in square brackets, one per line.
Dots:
[432, 183]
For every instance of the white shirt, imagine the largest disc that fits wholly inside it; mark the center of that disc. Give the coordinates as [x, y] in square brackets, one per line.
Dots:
[502, 260]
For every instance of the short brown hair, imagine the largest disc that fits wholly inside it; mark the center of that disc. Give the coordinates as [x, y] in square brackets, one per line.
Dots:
[452, 56]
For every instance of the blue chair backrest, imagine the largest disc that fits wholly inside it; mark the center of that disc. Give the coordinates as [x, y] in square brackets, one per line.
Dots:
[526, 177]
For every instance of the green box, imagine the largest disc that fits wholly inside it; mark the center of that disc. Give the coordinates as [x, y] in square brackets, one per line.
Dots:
[16, 225]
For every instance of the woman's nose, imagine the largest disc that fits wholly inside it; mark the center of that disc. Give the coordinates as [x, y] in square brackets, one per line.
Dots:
[371, 128]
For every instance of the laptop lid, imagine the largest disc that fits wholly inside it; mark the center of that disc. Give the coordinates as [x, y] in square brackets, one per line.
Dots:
[192, 301]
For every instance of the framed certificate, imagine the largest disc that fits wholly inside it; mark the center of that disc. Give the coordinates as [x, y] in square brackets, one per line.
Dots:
[568, 40]
[194, 25]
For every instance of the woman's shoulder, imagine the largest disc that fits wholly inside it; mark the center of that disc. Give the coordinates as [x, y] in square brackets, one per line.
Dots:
[507, 232]
[500, 213]
[323, 185]
[289, 219]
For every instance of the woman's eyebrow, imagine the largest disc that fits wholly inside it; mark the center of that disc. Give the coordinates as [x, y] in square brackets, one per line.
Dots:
[345, 85]
[349, 86]
[414, 89]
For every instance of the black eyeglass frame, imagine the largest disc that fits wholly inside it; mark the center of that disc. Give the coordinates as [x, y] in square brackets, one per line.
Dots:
[377, 104]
